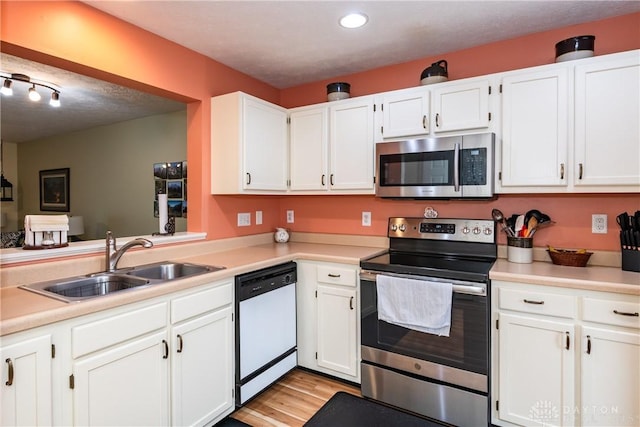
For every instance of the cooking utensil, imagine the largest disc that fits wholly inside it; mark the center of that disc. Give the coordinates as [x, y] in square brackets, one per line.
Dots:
[531, 226]
[498, 216]
[623, 221]
[519, 225]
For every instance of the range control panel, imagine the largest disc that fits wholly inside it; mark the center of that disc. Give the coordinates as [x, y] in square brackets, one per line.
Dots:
[455, 229]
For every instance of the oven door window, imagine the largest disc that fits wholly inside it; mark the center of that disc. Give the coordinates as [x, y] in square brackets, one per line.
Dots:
[466, 347]
[417, 169]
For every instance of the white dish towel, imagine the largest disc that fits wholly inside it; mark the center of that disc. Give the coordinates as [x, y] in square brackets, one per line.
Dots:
[421, 305]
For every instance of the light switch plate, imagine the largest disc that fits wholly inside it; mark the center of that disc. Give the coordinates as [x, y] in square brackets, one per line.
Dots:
[244, 219]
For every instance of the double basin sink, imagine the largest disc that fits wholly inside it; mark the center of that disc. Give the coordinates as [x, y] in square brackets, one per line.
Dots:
[99, 284]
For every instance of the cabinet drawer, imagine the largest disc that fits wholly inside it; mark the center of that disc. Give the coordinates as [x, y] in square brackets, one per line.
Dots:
[619, 313]
[537, 302]
[201, 302]
[115, 329]
[337, 275]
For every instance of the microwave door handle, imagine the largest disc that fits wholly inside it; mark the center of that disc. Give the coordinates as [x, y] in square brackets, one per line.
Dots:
[456, 167]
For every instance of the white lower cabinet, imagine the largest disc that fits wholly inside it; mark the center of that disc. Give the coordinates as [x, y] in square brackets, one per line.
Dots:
[126, 385]
[564, 357]
[26, 380]
[202, 359]
[328, 319]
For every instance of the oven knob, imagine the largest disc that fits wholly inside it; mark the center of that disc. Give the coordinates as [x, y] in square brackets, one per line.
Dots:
[394, 227]
[476, 230]
[488, 231]
[465, 230]
[403, 227]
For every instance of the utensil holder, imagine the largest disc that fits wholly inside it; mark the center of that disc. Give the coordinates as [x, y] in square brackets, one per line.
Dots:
[520, 249]
[631, 260]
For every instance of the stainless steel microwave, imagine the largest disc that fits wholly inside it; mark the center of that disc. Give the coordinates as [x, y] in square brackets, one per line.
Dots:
[449, 167]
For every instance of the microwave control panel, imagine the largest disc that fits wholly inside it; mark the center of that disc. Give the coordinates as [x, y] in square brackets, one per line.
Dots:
[474, 166]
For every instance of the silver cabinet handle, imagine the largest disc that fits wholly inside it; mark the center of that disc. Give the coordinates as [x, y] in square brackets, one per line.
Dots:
[351, 303]
[580, 170]
[322, 180]
[588, 344]
[561, 170]
[331, 179]
[179, 343]
[624, 313]
[333, 275]
[529, 301]
[10, 373]
[437, 122]
[568, 341]
[166, 349]
[424, 121]
[248, 178]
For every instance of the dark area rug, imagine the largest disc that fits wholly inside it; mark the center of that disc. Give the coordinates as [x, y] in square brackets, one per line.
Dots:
[231, 422]
[347, 410]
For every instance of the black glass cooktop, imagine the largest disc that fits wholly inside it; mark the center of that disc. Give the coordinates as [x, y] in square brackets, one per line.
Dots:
[450, 267]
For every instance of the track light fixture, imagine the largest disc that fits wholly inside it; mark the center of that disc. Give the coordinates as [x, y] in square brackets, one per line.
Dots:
[10, 78]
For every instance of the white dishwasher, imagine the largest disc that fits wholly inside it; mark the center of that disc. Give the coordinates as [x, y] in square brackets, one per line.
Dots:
[265, 328]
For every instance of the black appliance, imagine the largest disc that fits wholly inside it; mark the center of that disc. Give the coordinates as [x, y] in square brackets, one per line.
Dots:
[445, 378]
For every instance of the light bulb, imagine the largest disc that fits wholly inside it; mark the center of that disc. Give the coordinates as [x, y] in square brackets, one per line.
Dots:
[354, 20]
[33, 94]
[55, 99]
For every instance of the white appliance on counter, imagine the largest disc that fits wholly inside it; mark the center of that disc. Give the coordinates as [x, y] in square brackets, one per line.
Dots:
[266, 346]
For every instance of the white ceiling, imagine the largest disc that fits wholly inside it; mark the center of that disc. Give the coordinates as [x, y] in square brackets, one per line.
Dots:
[287, 43]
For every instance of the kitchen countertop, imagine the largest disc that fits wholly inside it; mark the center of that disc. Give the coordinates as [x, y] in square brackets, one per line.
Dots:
[21, 310]
[595, 278]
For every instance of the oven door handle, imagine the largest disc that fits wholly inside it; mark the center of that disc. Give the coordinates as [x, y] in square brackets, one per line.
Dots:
[459, 287]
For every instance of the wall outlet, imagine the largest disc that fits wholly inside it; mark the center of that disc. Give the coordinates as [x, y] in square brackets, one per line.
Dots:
[599, 223]
[289, 217]
[258, 217]
[244, 219]
[366, 219]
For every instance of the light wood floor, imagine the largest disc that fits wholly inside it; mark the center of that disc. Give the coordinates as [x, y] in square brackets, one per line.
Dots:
[292, 400]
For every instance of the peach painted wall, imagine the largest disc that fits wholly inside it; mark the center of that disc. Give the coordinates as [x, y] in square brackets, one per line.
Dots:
[74, 36]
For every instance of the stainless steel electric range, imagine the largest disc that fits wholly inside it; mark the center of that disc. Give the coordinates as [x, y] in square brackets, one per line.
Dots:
[444, 376]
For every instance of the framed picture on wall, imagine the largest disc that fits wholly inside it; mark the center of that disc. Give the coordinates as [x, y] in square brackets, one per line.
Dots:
[54, 190]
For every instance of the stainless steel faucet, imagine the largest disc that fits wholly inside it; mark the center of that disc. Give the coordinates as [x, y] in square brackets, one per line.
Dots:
[112, 255]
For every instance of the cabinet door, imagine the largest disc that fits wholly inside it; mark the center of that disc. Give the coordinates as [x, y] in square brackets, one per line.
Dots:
[536, 371]
[309, 140]
[461, 106]
[26, 383]
[265, 146]
[202, 368]
[608, 123]
[405, 113]
[534, 128]
[351, 139]
[306, 314]
[610, 379]
[126, 385]
[337, 343]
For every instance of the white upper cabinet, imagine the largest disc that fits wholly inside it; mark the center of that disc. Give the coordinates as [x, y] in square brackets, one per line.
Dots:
[405, 113]
[572, 127]
[308, 148]
[351, 146]
[534, 128]
[248, 145]
[461, 106]
[607, 122]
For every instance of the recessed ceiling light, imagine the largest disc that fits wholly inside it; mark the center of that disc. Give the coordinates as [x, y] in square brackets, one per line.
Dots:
[354, 20]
